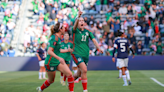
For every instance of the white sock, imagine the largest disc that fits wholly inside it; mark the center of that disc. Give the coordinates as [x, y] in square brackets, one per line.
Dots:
[120, 73]
[127, 75]
[40, 75]
[44, 74]
[84, 90]
[124, 79]
[75, 71]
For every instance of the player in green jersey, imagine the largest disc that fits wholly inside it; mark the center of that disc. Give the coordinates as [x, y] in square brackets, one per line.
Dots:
[66, 50]
[53, 62]
[80, 54]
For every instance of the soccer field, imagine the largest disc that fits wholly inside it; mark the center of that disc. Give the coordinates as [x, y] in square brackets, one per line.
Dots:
[98, 81]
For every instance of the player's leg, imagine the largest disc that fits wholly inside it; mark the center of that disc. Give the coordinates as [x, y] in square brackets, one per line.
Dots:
[120, 71]
[66, 71]
[47, 83]
[127, 71]
[40, 73]
[41, 64]
[122, 66]
[44, 71]
[65, 77]
[83, 69]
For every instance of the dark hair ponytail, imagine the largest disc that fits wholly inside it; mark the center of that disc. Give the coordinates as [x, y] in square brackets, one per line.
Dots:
[55, 29]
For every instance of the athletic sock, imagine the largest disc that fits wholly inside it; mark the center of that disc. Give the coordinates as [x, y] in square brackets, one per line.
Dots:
[70, 83]
[120, 73]
[84, 83]
[45, 84]
[61, 75]
[124, 79]
[44, 74]
[64, 78]
[40, 75]
[127, 74]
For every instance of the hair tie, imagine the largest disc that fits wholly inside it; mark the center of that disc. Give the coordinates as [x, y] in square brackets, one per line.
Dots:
[60, 26]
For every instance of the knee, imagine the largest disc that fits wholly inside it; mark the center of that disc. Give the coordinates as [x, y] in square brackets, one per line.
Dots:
[84, 70]
[69, 74]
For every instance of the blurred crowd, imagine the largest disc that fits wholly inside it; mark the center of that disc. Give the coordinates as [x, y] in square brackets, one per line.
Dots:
[8, 14]
[142, 21]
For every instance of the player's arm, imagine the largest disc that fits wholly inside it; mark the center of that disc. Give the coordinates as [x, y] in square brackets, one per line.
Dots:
[37, 54]
[133, 52]
[115, 47]
[77, 20]
[51, 53]
[97, 45]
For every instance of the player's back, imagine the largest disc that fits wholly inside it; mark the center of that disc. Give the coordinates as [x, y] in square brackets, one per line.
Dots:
[122, 46]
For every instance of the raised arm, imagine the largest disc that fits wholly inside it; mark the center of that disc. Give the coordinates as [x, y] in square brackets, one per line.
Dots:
[77, 20]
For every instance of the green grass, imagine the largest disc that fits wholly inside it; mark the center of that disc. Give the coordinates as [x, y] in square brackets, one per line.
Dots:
[98, 81]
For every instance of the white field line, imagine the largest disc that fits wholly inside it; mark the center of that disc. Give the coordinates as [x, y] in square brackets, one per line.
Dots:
[157, 81]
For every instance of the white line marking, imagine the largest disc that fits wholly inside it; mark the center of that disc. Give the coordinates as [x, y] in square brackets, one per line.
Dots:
[157, 81]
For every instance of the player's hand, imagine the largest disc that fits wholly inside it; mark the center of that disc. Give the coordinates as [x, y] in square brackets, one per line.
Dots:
[133, 56]
[101, 51]
[113, 59]
[61, 60]
[80, 12]
[39, 59]
[70, 50]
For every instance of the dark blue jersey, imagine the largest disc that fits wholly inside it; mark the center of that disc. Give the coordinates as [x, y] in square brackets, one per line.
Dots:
[122, 45]
[42, 53]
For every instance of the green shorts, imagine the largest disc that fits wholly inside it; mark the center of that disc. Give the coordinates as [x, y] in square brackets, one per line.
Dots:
[78, 59]
[67, 62]
[51, 68]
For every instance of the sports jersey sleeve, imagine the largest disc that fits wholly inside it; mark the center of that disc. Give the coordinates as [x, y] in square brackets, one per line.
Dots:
[52, 42]
[91, 35]
[115, 44]
[38, 51]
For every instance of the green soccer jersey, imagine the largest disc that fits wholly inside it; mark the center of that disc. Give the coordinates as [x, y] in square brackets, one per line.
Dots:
[81, 41]
[66, 56]
[55, 43]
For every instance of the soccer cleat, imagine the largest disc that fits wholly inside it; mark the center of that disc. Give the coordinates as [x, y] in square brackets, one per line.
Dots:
[63, 84]
[45, 78]
[79, 78]
[85, 90]
[129, 82]
[38, 89]
[61, 80]
[40, 78]
[76, 81]
[125, 85]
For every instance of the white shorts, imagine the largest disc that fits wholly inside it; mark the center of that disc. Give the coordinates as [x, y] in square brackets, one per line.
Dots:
[41, 63]
[73, 64]
[122, 62]
[117, 65]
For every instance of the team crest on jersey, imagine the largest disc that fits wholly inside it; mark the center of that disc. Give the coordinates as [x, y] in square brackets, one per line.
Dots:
[79, 59]
[87, 33]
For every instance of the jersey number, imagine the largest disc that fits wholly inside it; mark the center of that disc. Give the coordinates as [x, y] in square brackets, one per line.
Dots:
[122, 46]
[84, 37]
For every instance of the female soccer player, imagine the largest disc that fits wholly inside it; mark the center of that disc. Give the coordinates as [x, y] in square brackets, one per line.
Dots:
[122, 45]
[53, 62]
[81, 49]
[41, 54]
[65, 53]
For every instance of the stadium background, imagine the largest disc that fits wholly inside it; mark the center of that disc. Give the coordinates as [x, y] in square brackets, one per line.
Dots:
[24, 24]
